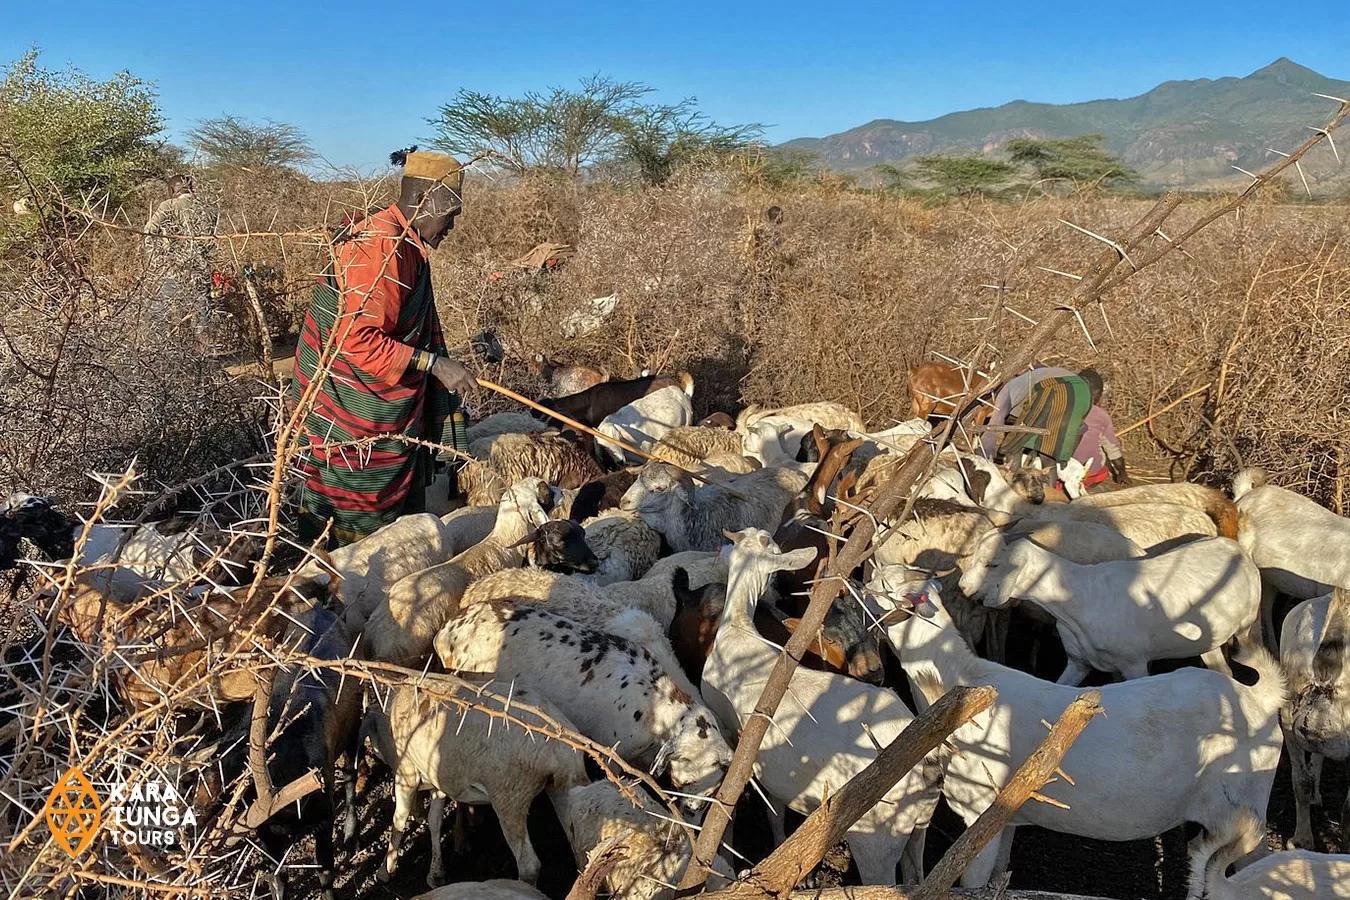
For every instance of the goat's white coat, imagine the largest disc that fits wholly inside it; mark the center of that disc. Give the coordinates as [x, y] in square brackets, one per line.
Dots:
[691, 518]
[816, 742]
[625, 545]
[615, 691]
[645, 421]
[658, 849]
[404, 621]
[473, 758]
[1302, 634]
[1119, 615]
[1302, 548]
[1190, 746]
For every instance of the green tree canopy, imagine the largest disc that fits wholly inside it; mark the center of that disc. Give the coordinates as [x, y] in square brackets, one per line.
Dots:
[1079, 159]
[565, 130]
[657, 139]
[963, 175]
[76, 132]
[231, 142]
[557, 129]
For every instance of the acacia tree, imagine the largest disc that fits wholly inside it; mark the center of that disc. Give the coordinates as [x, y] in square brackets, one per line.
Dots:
[564, 130]
[231, 142]
[77, 133]
[658, 139]
[1080, 159]
[559, 129]
[964, 176]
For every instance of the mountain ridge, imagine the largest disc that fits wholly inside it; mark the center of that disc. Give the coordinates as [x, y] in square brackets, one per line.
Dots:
[1181, 133]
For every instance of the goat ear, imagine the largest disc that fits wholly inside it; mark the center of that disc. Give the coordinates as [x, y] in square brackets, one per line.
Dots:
[1333, 651]
[978, 481]
[797, 559]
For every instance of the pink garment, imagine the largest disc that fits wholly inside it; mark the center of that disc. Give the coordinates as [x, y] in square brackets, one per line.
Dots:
[1099, 441]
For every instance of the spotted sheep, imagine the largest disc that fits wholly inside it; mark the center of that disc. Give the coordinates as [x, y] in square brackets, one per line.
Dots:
[613, 690]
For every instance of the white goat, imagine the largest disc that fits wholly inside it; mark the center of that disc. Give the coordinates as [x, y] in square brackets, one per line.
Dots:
[692, 518]
[404, 622]
[496, 889]
[614, 690]
[1297, 875]
[371, 566]
[468, 757]
[816, 742]
[1190, 746]
[1313, 650]
[1211, 502]
[1302, 549]
[825, 413]
[775, 440]
[646, 420]
[658, 850]
[1117, 616]
[577, 595]
[639, 612]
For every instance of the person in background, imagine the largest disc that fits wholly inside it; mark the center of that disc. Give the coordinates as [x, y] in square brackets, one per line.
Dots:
[390, 373]
[1100, 449]
[1009, 403]
[183, 267]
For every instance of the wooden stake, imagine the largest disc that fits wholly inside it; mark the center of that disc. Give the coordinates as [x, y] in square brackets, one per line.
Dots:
[825, 827]
[1034, 774]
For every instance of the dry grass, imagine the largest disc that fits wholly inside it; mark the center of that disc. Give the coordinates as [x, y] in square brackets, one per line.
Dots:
[865, 285]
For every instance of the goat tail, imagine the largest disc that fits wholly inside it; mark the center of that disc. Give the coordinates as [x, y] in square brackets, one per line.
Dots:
[748, 417]
[1218, 850]
[1224, 512]
[1248, 480]
[1271, 687]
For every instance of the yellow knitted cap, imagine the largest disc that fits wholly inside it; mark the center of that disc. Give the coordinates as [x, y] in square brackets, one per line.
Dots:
[432, 166]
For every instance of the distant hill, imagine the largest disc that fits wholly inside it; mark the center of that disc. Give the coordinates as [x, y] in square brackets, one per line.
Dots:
[1181, 133]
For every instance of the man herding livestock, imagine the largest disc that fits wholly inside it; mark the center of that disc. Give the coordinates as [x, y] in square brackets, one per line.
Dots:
[1062, 408]
[390, 374]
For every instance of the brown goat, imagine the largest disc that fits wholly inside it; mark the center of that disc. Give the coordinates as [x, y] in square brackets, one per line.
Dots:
[188, 636]
[934, 389]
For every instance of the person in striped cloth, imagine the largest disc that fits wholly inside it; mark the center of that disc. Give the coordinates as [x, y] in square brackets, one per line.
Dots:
[373, 314]
[1053, 401]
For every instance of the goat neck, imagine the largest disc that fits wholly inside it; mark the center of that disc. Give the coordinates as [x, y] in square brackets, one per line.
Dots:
[926, 640]
[1033, 574]
[746, 583]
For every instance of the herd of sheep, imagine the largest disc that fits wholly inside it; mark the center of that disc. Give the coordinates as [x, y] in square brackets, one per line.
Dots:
[643, 603]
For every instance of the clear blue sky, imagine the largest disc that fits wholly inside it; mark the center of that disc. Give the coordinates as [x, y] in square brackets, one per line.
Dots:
[361, 79]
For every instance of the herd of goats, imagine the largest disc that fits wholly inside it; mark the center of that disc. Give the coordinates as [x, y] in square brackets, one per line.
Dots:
[642, 600]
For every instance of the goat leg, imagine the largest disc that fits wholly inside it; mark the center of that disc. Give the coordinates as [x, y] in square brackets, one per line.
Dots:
[435, 821]
[1345, 823]
[323, 838]
[1074, 673]
[1302, 772]
[405, 791]
[353, 757]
